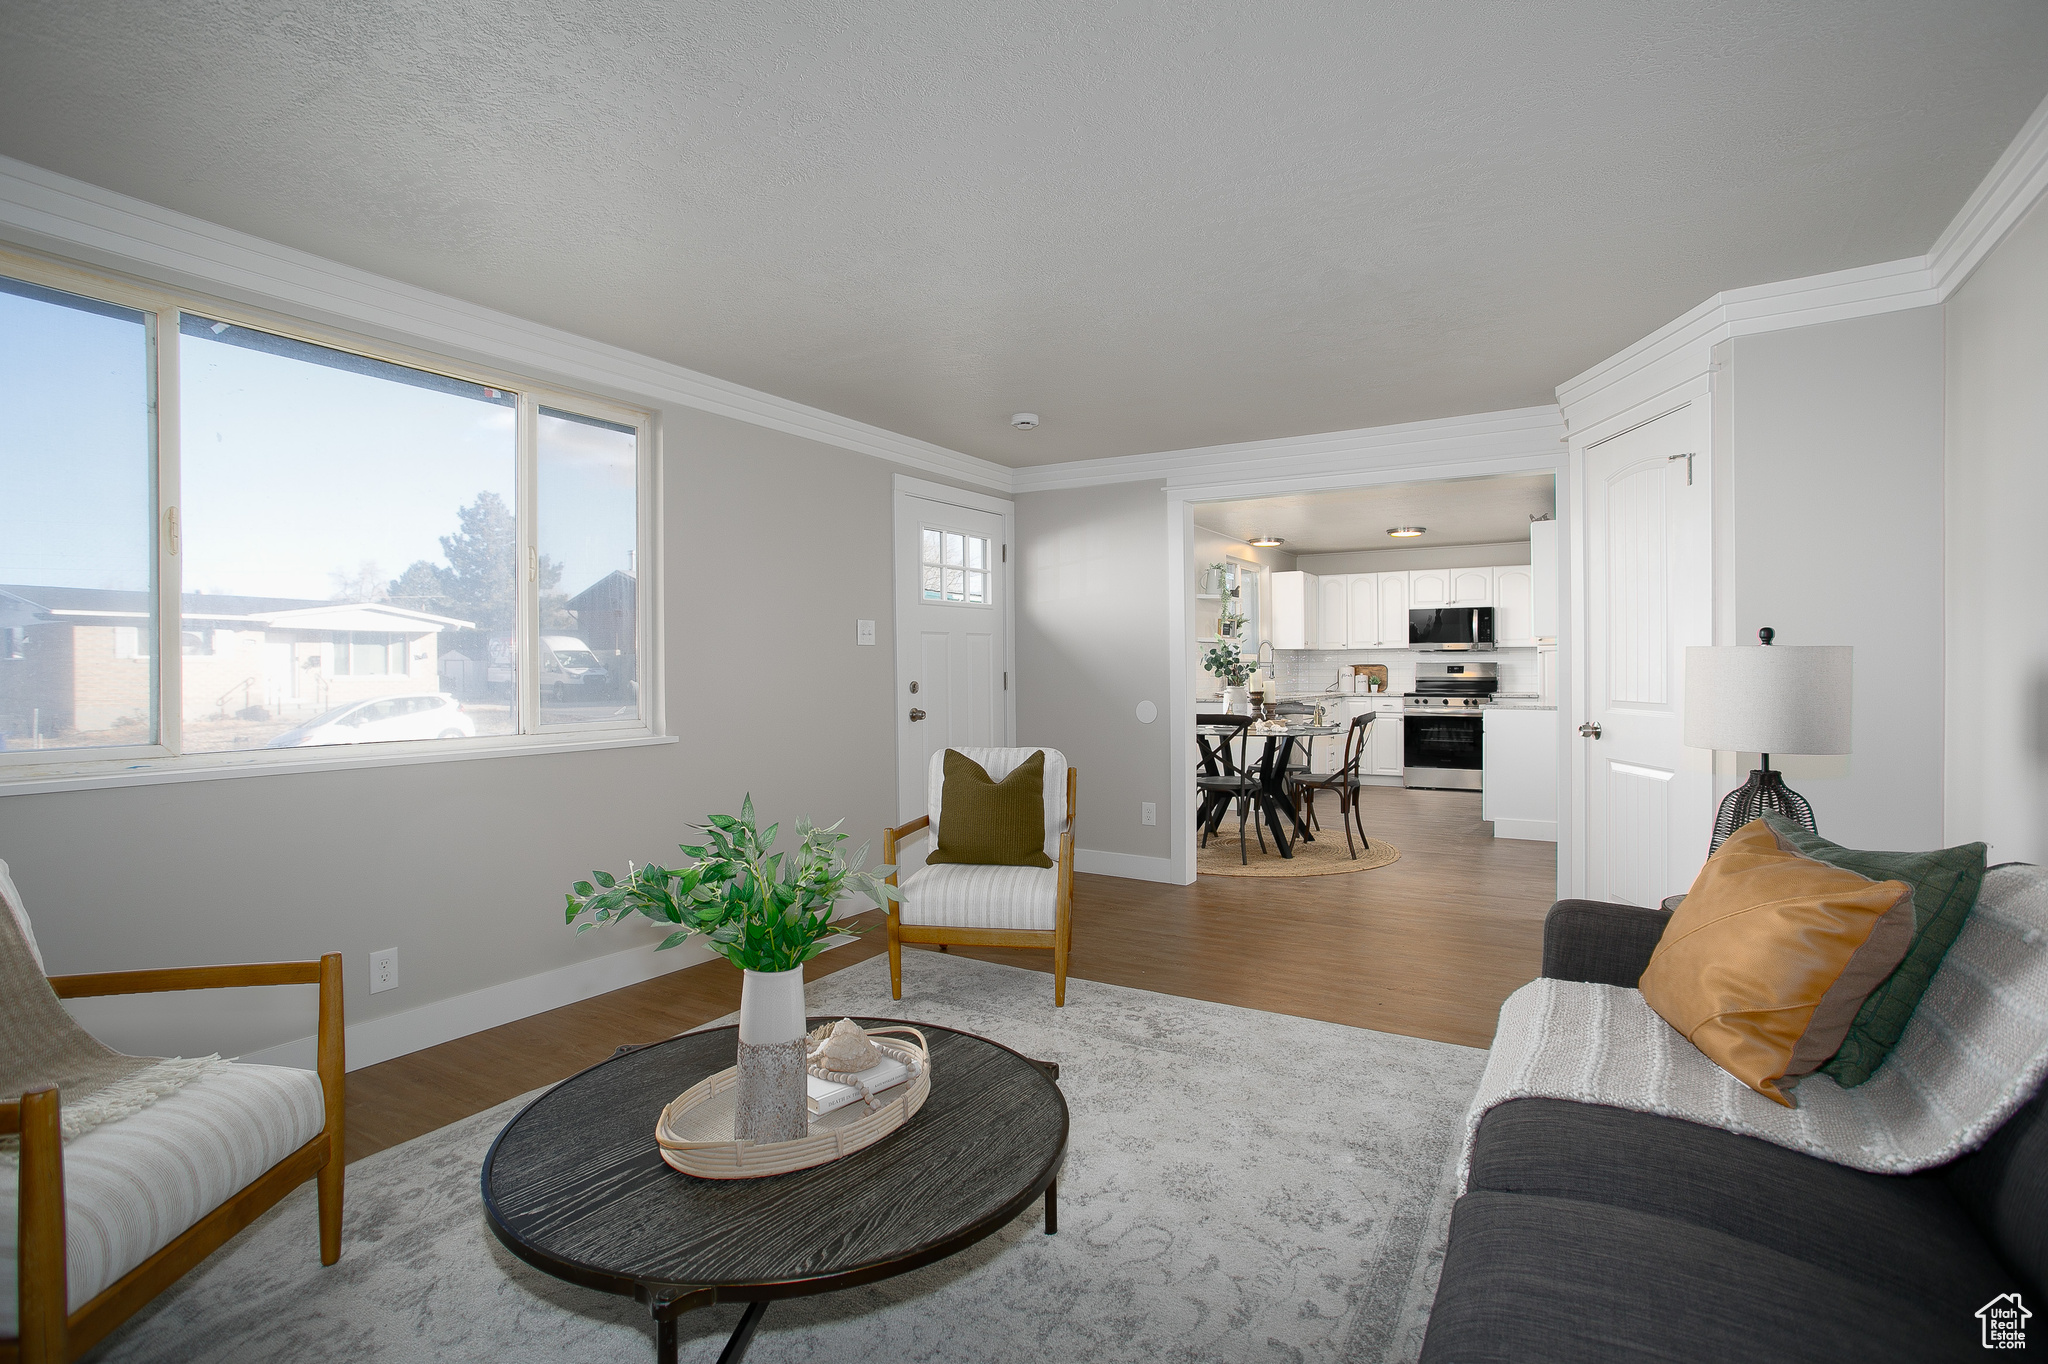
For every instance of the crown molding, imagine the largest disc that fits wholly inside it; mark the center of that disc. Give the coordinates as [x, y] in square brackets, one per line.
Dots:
[1484, 438]
[45, 211]
[2015, 182]
[1682, 349]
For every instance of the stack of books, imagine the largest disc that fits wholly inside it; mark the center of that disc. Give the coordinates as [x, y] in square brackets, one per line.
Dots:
[826, 1096]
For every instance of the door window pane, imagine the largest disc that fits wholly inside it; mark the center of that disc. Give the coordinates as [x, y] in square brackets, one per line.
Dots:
[348, 528]
[943, 576]
[77, 522]
[588, 486]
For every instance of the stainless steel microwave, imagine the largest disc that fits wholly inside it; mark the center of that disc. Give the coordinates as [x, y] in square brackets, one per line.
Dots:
[1451, 628]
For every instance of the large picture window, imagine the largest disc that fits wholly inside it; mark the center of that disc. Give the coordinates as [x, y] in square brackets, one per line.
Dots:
[343, 548]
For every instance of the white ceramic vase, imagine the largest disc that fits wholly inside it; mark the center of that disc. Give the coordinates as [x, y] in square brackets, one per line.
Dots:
[1237, 700]
[771, 1091]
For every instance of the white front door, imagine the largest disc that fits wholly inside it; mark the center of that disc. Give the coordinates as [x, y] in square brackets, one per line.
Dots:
[952, 633]
[1649, 594]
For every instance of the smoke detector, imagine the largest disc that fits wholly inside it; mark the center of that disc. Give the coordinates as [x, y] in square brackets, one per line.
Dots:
[1024, 421]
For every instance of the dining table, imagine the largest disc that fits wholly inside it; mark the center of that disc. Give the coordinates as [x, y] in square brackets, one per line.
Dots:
[1275, 757]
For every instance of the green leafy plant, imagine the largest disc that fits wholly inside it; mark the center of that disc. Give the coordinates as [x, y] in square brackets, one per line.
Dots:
[1225, 663]
[759, 910]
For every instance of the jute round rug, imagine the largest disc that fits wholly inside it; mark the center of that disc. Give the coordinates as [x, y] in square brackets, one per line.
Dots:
[1326, 856]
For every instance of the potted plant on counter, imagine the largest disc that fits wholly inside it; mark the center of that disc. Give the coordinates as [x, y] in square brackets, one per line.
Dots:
[766, 913]
[1231, 669]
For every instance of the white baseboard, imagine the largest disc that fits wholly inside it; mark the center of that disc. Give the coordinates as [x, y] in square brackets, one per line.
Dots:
[1537, 830]
[1130, 866]
[399, 1034]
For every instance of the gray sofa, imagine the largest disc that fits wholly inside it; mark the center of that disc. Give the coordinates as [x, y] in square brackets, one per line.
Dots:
[1591, 1234]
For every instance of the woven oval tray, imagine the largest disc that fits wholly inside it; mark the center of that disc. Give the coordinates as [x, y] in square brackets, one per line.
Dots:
[695, 1129]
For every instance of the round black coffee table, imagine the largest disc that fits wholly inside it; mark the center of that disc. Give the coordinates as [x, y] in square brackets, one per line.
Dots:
[575, 1186]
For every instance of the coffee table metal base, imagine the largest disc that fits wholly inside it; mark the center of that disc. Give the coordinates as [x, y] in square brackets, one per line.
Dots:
[666, 1310]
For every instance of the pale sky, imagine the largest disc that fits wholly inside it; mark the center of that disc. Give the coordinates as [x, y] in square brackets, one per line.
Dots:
[293, 472]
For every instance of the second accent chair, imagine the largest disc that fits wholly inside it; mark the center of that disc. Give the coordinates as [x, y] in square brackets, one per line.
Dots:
[988, 906]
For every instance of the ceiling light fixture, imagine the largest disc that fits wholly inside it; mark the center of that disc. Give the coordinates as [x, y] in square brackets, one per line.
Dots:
[1024, 421]
[1405, 532]
[1266, 541]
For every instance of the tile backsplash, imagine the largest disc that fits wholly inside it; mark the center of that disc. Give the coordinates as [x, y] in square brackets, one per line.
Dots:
[1313, 670]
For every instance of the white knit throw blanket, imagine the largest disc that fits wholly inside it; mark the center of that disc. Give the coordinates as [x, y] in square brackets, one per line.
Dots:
[1974, 1051]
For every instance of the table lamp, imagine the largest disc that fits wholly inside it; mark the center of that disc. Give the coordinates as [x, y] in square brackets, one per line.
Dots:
[1782, 699]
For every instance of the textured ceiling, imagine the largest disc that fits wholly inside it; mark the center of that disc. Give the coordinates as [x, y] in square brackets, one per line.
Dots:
[1463, 511]
[1159, 226]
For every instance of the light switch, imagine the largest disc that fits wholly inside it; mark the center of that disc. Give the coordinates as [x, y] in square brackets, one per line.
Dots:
[863, 632]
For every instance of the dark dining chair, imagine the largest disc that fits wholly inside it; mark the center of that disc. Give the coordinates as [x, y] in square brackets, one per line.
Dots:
[1227, 777]
[1345, 781]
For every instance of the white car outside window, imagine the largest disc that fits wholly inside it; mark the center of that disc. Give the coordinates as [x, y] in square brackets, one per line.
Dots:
[383, 720]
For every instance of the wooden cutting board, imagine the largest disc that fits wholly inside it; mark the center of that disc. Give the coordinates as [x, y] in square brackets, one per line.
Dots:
[1373, 670]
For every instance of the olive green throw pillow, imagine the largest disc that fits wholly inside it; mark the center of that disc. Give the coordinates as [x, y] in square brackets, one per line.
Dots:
[989, 823]
[1945, 883]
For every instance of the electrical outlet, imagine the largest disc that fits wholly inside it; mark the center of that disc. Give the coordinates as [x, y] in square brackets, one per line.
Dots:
[1148, 813]
[384, 970]
[863, 632]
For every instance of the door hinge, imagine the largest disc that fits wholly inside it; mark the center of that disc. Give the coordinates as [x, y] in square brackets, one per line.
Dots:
[1687, 457]
[1006, 680]
[1006, 554]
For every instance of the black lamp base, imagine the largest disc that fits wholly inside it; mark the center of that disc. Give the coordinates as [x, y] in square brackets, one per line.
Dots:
[1765, 793]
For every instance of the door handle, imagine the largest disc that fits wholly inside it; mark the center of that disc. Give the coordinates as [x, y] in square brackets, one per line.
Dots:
[916, 714]
[1590, 730]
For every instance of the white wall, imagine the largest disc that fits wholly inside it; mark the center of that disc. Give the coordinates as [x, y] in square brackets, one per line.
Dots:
[1829, 530]
[1091, 644]
[1997, 552]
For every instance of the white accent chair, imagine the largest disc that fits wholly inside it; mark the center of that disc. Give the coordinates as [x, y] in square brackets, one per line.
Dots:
[976, 906]
[95, 1228]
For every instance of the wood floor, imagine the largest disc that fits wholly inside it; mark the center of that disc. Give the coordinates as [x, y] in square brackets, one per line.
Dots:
[1429, 947]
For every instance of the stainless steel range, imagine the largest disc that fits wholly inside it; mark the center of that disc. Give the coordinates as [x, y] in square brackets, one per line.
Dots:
[1442, 727]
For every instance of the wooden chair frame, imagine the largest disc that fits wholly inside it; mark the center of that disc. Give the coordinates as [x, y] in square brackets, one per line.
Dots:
[1059, 938]
[48, 1335]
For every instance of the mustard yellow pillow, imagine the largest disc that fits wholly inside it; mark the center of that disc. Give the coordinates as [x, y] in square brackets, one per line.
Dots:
[1766, 961]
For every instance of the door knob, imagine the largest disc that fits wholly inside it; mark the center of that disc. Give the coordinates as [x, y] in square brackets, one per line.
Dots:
[1590, 730]
[916, 714]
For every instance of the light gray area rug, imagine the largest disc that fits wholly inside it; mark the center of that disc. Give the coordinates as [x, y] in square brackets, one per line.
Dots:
[1239, 1186]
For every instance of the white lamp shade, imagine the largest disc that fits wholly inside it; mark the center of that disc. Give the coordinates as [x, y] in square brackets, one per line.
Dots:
[1779, 698]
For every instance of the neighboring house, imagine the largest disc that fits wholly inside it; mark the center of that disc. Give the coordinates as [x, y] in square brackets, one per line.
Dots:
[77, 659]
[605, 621]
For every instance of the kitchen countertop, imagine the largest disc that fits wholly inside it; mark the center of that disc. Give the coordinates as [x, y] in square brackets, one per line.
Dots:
[1518, 703]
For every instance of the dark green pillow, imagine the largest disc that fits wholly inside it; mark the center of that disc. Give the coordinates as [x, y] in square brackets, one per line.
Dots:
[1945, 885]
[987, 823]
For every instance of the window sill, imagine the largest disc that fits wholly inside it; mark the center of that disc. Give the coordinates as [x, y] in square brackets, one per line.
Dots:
[91, 775]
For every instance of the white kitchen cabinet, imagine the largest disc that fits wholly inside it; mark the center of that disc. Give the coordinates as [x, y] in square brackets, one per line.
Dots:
[1514, 620]
[1393, 595]
[1543, 578]
[1429, 587]
[1363, 630]
[1333, 611]
[1519, 777]
[1384, 760]
[1472, 587]
[1294, 610]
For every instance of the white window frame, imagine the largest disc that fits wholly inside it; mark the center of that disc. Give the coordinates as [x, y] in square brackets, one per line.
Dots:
[140, 764]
